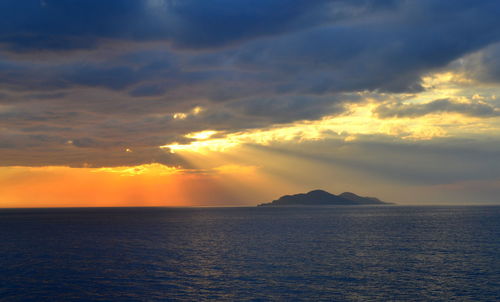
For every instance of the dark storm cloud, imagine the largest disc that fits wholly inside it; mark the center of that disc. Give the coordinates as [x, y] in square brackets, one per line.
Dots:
[109, 75]
[357, 45]
[387, 53]
[472, 108]
[64, 25]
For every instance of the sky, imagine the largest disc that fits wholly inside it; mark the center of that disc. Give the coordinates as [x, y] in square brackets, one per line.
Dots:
[237, 102]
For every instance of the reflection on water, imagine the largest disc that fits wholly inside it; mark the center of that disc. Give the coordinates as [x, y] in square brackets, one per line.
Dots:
[338, 253]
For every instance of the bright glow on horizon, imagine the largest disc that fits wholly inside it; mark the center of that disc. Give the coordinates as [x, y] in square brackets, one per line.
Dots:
[144, 185]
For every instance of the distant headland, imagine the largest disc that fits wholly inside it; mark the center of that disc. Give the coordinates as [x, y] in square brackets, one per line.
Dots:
[323, 198]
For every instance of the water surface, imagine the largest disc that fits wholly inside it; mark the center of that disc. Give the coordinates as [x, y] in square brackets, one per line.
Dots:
[265, 253]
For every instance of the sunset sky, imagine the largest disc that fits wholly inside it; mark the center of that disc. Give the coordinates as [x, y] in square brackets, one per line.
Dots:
[237, 102]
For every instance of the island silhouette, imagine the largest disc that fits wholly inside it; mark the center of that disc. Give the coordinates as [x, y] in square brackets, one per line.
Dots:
[323, 198]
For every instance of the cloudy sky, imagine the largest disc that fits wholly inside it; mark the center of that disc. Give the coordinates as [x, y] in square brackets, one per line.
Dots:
[236, 102]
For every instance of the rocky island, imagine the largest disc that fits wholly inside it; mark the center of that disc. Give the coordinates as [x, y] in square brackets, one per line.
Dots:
[323, 198]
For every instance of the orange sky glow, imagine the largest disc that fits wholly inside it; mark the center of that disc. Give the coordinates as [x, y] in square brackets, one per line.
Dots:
[146, 185]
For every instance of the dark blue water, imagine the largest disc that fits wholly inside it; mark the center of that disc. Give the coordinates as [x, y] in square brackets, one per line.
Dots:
[341, 254]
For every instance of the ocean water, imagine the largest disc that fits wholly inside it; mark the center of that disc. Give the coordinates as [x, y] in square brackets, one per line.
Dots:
[377, 253]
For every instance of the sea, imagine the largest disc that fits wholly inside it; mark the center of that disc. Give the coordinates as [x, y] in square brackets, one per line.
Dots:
[357, 253]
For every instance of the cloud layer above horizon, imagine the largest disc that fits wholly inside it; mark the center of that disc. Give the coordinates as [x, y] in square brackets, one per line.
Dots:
[117, 83]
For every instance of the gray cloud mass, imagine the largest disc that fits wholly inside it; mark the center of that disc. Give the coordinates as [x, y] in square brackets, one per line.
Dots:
[109, 75]
[471, 108]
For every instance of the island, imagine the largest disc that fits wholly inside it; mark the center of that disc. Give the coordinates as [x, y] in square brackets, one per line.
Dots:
[323, 198]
